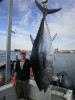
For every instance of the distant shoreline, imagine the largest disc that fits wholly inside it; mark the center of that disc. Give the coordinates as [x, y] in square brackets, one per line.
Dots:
[64, 52]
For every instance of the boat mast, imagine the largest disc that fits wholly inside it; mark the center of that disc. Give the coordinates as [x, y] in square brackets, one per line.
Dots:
[8, 45]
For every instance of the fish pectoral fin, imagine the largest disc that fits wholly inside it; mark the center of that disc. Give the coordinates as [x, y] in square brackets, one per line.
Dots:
[54, 37]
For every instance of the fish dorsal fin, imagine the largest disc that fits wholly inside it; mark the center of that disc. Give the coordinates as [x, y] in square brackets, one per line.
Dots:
[32, 40]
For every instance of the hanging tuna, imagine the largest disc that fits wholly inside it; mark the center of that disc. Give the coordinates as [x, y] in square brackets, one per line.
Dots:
[42, 53]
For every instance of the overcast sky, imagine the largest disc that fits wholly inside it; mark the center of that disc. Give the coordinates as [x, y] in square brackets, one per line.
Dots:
[26, 20]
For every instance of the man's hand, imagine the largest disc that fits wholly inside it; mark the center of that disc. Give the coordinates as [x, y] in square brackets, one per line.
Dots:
[13, 81]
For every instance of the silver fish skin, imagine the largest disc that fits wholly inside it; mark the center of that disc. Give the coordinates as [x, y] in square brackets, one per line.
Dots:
[42, 58]
[42, 55]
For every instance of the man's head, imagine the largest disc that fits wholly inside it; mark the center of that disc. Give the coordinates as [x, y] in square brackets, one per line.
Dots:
[23, 54]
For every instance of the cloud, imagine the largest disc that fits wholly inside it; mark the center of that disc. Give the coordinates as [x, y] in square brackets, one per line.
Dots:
[19, 40]
[2, 17]
[36, 24]
[23, 33]
[3, 43]
[64, 44]
[27, 20]
[22, 5]
[21, 43]
[22, 38]
[64, 25]
[20, 31]
[2, 33]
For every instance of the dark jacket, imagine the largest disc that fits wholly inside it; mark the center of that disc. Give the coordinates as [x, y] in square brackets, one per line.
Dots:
[23, 74]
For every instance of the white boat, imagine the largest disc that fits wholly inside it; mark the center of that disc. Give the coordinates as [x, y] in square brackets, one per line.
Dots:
[8, 92]
[2, 54]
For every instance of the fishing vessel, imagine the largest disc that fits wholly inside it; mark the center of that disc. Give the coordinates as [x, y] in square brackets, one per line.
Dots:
[2, 54]
[7, 91]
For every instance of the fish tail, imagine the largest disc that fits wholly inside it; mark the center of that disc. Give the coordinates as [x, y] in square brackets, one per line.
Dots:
[46, 11]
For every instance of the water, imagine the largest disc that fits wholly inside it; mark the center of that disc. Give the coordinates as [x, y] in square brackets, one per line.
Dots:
[63, 62]
[13, 57]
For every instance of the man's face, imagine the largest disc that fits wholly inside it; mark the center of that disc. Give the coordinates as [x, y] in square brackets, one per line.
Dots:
[23, 56]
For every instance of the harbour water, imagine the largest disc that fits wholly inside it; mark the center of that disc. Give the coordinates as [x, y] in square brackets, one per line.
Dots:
[62, 62]
[13, 57]
[65, 62]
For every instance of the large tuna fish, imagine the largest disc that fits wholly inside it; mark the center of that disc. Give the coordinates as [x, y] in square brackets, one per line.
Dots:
[42, 53]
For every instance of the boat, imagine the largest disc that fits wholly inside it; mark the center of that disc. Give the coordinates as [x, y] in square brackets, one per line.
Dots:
[7, 91]
[2, 54]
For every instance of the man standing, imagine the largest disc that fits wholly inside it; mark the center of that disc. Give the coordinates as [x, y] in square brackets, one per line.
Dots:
[22, 76]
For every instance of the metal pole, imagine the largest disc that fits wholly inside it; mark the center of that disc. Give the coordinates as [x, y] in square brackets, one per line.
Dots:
[8, 45]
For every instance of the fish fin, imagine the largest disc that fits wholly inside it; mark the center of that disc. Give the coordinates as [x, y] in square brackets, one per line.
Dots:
[32, 40]
[45, 10]
[50, 11]
[54, 37]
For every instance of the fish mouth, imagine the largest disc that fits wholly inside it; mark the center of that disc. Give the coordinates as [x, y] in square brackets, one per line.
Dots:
[46, 78]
